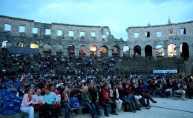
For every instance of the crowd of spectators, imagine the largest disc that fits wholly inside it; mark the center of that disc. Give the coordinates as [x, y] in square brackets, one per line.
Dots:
[49, 93]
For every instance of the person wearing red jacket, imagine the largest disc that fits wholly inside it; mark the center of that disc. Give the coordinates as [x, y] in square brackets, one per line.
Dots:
[131, 99]
[107, 99]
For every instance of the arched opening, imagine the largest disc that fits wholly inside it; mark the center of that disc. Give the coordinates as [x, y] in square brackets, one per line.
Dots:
[103, 51]
[137, 50]
[148, 51]
[171, 50]
[59, 49]
[126, 50]
[71, 49]
[93, 50]
[21, 44]
[47, 49]
[184, 50]
[159, 51]
[5, 45]
[115, 50]
[34, 45]
[82, 50]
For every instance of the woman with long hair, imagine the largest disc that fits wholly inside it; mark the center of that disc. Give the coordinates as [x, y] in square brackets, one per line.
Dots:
[65, 103]
[26, 102]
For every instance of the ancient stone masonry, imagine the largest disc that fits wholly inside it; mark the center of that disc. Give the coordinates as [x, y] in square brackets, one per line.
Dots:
[55, 36]
[151, 42]
[170, 40]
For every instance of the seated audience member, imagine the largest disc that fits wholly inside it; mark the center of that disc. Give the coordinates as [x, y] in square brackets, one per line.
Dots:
[39, 104]
[26, 102]
[131, 99]
[138, 97]
[65, 103]
[190, 89]
[91, 89]
[12, 89]
[115, 97]
[145, 95]
[21, 91]
[3, 85]
[54, 90]
[76, 93]
[167, 86]
[179, 89]
[107, 99]
[51, 100]
[158, 88]
[97, 99]
[87, 102]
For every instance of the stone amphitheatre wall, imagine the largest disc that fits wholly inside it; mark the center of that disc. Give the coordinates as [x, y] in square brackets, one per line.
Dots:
[98, 36]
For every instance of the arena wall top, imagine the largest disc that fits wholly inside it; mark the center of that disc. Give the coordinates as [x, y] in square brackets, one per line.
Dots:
[52, 30]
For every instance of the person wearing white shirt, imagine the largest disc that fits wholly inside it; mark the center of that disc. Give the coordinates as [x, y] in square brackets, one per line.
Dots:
[39, 104]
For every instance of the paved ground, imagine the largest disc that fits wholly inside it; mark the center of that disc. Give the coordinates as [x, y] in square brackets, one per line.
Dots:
[165, 108]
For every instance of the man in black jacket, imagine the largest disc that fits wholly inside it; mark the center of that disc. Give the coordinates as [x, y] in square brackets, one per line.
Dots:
[97, 99]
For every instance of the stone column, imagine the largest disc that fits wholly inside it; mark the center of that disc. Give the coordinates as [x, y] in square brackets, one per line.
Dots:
[166, 52]
[53, 51]
[154, 53]
[131, 52]
[177, 52]
[87, 52]
[41, 50]
[142, 52]
[65, 51]
[121, 53]
[76, 51]
[110, 53]
[98, 52]
[191, 51]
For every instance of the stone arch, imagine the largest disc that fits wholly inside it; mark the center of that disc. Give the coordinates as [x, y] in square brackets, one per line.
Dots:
[104, 51]
[47, 48]
[171, 50]
[116, 50]
[184, 50]
[21, 44]
[148, 50]
[137, 50]
[82, 50]
[34, 45]
[159, 51]
[93, 50]
[59, 49]
[126, 50]
[71, 49]
[6, 44]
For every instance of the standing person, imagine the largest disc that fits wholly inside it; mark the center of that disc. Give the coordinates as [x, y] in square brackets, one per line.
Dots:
[39, 104]
[87, 102]
[26, 102]
[51, 101]
[65, 103]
